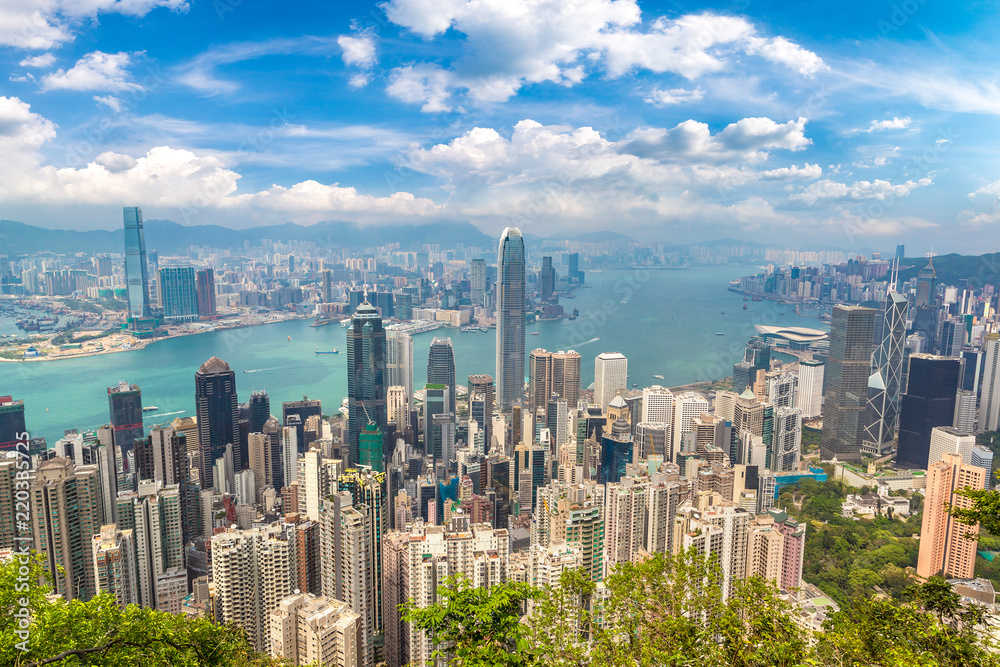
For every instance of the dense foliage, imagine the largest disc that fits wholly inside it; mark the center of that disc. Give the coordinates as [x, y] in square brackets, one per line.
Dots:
[99, 632]
[670, 611]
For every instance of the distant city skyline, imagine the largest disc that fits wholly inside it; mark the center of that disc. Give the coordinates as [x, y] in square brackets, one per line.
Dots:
[711, 121]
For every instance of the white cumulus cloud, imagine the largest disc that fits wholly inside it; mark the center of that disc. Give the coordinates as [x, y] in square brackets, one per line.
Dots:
[97, 71]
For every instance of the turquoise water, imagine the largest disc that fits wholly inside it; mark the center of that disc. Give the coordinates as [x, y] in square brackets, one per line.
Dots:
[665, 326]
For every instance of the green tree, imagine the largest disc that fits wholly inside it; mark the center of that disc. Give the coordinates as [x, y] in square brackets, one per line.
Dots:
[561, 621]
[985, 509]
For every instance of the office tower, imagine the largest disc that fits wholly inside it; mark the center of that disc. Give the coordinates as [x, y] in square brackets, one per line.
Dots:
[366, 357]
[653, 439]
[553, 374]
[944, 543]
[566, 376]
[687, 406]
[658, 407]
[982, 457]
[900, 251]
[65, 513]
[989, 403]
[205, 285]
[107, 473]
[952, 337]
[156, 516]
[975, 363]
[397, 412]
[273, 431]
[929, 401]
[483, 384]
[260, 410]
[125, 405]
[12, 426]
[136, 271]
[261, 462]
[965, 410]
[847, 373]
[547, 279]
[178, 294]
[295, 413]
[477, 552]
[477, 282]
[399, 362]
[327, 288]
[926, 282]
[539, 379]
[885, 381]
[510, 318]
[315, 630]
[616, 451]
[787, 440]
[253, 570]
[947, 439]
[370, 448]
[810, 395]
[114, 564]
[610, 377]
[218, 415]
[162, 456]
[435, 403]
[756, 357]
[441, 368]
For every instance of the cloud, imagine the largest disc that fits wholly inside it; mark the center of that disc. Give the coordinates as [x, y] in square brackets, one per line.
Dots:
[97, 71]
[358, 49]
[509, 44]
[21, 130]
[827, 190]
[110, 101]
[892, 124]
[43, 24]
[746, 140]
[662, 98]
[42, 61]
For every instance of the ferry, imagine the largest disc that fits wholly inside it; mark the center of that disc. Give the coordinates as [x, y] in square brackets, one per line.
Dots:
[720, 333]
[150, 408]
[658, 377]
[333, 351]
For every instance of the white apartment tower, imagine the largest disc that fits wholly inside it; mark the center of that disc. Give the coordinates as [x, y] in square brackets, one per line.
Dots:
[610, 377]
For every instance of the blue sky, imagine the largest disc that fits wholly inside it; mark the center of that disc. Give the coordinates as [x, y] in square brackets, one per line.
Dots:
[857, 125]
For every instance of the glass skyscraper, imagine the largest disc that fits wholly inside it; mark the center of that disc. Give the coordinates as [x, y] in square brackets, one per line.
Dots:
[178, 293]
[441, 368]
[885, 382]
[365, 374]
[929, 401]
[218, 415]
[847, 373]
[125, 407]
[136, 273]
[510, 317]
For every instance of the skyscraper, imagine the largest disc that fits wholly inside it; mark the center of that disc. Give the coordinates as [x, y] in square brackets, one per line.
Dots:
[989, 404]
[206, 292]
[483, 386]
[810, 395]
[136, 271]
[944, 547]
[847, 373]
[12, 425]
[477, 282]
[929, 401]
[510, 317]
[260, 412]
[926, 282]
[399, 361]
[547, 279]
[441, 368]
[610, 377]
[885, 381]
[178, 292]
[366, 360]
[125, 405]
[756, 357]
[218, 415]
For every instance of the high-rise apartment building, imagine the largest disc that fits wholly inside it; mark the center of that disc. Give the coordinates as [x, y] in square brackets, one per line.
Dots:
[610, 377]
[573, 514]
[847, 373]
[218, 415]
[178, 294]
[399, 362]
[12, 426]
[315, 630]
[366, 360]
[483, 386]
[114, 564]
[989, 404]
[929, 401]
[136, 271]
[945, 544]
[687, 406]
[66, 513]
[510, 297]
[477, 282]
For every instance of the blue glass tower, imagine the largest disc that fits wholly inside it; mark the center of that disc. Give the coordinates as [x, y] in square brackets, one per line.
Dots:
[136, 273]
[510, 317]
[365, 375]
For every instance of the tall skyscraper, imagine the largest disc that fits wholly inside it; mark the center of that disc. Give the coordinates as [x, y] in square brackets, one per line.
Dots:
[441, 368]
[900, 251]
[885, 381]
[114, 564]
[510, 317]
[547, 279]
[315, 630]
[756, 357]
[399, 361]
[539, 379]
[989, 404]
[483, 386]
[136, 271]
[260, 411]
[610, 377]
[366, 360]
[944, 547]
[566, 376]
[178, 294]
[12, 425]
[477, 282]
[218, 415]
[926, 282]
[847, 373]
[125, 406]
[810, 395]
[206, 292]
[929, 401]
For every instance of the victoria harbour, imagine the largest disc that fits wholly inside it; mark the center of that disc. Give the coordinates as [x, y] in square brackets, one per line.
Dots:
[620, 310]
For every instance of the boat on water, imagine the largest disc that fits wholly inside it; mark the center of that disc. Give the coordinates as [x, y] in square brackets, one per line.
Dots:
[536, 333]
[150, 408]
[289, 339]
[322, 322]
[720, 333]
[333, 351]
[744, 306]
[658, 377]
